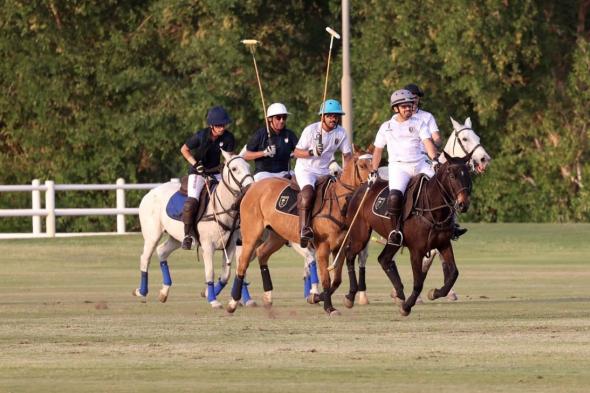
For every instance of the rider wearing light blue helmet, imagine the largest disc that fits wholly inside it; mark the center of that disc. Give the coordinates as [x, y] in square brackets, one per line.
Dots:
[314, 151]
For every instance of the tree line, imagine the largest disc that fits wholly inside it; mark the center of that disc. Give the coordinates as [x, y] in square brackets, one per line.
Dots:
[94, 90]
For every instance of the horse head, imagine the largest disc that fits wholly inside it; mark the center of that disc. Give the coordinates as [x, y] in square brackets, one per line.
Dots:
[462, 141]
[358, 168]
[455, 181]
[236, 173]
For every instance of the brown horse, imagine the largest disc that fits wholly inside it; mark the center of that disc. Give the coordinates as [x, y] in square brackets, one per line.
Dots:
[429, 223]
[257, 212]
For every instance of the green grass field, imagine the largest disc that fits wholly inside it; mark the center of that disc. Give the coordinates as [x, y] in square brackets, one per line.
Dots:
[68, 322]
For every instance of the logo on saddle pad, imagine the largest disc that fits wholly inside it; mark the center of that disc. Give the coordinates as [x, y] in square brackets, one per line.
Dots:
[283, 200]
[287, 201]
[379, 202]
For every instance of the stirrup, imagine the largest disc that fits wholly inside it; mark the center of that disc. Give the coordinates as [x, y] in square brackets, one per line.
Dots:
[306, 237]
[458, 232]
[395, 238]
[187, 242]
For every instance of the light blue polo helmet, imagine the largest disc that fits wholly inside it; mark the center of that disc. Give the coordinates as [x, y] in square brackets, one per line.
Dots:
[331, 106]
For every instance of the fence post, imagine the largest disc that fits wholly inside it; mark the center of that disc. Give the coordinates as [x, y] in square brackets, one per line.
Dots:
[50, 207]
[36, 205]
[120, 205]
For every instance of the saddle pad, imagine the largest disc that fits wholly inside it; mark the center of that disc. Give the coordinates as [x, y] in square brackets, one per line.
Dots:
[380, 204]
[287, 201]
[175, 205]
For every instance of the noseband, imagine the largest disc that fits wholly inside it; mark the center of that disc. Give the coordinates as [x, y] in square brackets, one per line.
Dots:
[458, 140]
[231, 176]
[451, 200]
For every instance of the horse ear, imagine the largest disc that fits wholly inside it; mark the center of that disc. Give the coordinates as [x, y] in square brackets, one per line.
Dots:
[243, 151]
[355, 149]
[468, 122]
[447, 156]
[227, 156]
[371, 148]
[456, 125]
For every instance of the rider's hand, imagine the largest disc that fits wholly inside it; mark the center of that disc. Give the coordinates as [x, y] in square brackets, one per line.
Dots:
[435, 165]
[199, 168]
[317, 150]
[372, 178]
[334, 168]
[270, 151]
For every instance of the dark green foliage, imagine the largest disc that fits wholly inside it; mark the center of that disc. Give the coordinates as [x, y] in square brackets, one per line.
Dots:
[96, 90]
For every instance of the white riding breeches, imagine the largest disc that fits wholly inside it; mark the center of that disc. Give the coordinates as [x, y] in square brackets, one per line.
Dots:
[265, 175]
[195, 185]
[400, 173]
[305, 178]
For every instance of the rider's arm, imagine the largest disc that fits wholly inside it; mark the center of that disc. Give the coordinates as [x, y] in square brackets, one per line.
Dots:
[377, 153]
[346, 158]
[430, 148]
[252, 155]
[437, 139]
[302, 153]
[186, 153]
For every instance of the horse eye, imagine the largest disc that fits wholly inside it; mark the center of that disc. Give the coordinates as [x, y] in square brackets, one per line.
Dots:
[234, 169]
[464, 139]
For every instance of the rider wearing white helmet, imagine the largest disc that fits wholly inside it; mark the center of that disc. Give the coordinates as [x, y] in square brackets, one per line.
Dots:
[272, 156]
[317, 145]
[403, 135]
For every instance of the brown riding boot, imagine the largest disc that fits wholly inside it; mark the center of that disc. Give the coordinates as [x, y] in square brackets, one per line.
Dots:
[304, 204]
[394, 210]
[188, 218]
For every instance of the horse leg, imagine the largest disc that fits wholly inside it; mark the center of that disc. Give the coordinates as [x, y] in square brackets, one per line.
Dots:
[362, 284]
[264, 251]
[164, 250]
[450, 274]
[310, 272]
[387, 261]
[353, 285]
[150, 240]
[208, 253]
[322, 254]
[452, 295]
[419, 277]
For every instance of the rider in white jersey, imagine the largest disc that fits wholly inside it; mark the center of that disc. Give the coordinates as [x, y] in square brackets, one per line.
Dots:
[403, 135]
[314, 151]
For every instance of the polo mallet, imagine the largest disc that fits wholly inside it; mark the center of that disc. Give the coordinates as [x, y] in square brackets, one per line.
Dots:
[217, 222]
[334, 264]
[333, 34]
[251, 44]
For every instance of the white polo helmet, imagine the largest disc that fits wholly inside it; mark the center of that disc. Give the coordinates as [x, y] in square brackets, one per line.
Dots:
[276, 109]
[402, 96]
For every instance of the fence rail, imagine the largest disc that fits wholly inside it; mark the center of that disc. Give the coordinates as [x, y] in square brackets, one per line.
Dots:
[50, 212]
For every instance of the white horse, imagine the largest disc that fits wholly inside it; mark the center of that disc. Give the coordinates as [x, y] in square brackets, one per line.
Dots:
[217, 229]
[462, 141]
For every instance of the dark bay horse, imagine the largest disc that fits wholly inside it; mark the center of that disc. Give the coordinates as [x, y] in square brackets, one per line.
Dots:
[429, 224]
[257, 212]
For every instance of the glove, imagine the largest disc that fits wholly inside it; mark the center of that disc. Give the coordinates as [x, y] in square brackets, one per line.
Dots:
[372, 178]
[199, 168]
[317, 150]
[435, 164]
[334, 168]
[270, 151]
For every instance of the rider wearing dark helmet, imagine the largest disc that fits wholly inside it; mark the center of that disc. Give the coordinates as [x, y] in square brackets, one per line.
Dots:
[203, 153]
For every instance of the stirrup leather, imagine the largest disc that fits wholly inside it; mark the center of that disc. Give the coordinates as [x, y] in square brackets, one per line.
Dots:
[187, 242]
[395, 238]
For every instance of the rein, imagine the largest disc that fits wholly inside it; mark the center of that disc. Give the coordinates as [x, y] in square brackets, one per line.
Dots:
[458, 140]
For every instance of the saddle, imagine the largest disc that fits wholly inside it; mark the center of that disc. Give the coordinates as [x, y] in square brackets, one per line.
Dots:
[411, 197]
[176, 202]
[287, 199]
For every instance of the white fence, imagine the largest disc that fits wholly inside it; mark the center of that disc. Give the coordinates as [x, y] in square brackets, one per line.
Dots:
[50, 212]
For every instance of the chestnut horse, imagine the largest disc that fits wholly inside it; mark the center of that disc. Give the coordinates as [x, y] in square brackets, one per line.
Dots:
[428, 225]
[257, 212]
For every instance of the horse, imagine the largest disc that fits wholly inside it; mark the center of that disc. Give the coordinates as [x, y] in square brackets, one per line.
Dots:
[462, 141]
[429, 224]
[217, 228]
[257, 212]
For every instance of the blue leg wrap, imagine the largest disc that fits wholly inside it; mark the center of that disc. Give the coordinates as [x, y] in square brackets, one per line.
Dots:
[313, 273]
[245, 293]
[210, 292]
[236, 290]
[219, 285]
[143, 286]
[166, 279]
[306, 286]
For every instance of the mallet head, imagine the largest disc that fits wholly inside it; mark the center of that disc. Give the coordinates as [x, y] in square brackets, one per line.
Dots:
[332, 32]
[250, 42]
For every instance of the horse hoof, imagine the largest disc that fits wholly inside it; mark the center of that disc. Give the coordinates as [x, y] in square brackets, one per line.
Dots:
[363, 299]
[231, 306]
[313, 298]
[393, 293]
[267, 300]
[136, 293]
[431, 294]
[333, 313]
[216, 304]
[347, 302]
[162, 297]
[452, 296]
[250, 303]
[204, 293]
[419, 300]
[403, 312]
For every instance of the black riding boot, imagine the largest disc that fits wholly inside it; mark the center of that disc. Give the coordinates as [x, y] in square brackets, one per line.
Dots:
[188, 218]
[458, 232]
[304, 203]
[394, 210]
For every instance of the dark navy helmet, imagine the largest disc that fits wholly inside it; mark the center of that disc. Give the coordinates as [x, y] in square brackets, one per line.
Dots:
[414, 89]
[217, 115]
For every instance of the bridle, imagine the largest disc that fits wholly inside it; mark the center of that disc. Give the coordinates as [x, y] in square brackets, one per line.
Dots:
[461, 145]
[232, 177]
[449, 199]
